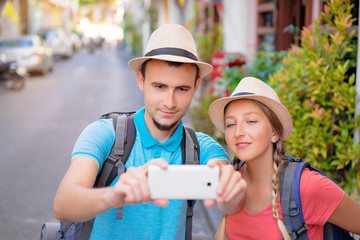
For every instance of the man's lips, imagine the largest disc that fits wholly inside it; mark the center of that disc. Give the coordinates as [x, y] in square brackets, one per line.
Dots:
[242, 145]
[167, 113]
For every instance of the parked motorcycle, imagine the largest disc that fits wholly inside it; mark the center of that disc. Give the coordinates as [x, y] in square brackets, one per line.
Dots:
[12, 74]
[91, 45]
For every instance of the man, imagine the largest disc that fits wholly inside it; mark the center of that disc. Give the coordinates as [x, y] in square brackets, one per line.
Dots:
[169, 75]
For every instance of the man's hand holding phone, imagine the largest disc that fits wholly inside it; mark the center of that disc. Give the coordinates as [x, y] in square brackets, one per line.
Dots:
[132, 186]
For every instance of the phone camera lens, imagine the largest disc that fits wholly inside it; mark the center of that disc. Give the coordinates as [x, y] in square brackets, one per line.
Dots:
[209, 184]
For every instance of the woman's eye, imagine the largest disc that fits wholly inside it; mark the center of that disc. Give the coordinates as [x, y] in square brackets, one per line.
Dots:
[229, 125]
[252, 121]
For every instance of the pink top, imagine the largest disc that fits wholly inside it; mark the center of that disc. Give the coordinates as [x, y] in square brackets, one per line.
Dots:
[319, 198]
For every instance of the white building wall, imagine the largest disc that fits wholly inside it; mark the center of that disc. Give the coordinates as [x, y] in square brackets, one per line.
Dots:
[240, 27]
[173, 14]
[161, 14]
[189, 12]
[316, 9]
[251, 30]
[35, 17]
[235, 26]
[145, 27]
[176, 13]
[9, 28]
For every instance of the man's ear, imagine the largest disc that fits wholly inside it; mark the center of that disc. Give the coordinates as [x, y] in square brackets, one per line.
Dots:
[140, 80]
[197, 84]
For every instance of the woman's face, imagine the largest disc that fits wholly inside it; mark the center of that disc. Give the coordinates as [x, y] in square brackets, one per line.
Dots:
[248, 131]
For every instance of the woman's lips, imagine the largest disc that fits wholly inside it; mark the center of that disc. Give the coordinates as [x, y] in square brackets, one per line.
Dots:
[242, 145]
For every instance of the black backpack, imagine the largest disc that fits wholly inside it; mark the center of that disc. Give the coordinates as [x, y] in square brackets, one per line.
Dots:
[114, 166]
[291, 203]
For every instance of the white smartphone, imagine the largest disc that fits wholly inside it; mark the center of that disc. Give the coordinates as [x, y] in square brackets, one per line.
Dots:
[183, 182]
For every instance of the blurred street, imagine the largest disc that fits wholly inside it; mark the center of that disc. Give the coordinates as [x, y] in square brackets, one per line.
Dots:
[40, 124]
[76, 52]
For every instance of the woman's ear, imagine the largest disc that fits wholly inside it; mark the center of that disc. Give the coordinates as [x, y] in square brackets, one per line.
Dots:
[274, 138]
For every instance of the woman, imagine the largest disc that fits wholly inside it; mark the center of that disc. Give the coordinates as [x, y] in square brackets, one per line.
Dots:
[256, 125]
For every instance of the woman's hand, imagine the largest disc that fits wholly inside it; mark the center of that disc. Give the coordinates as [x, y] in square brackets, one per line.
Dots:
[230, 190]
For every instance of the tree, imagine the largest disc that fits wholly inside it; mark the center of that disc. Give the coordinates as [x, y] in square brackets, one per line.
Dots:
[317, 85]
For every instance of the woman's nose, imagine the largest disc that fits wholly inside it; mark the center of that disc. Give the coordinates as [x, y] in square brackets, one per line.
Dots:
[239, 131]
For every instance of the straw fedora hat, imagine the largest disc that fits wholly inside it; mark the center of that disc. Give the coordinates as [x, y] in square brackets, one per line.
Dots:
[255, 89]
[171, 42]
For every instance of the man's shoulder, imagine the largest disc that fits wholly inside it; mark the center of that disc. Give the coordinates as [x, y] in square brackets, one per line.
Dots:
[105, 124]
[96, 129]
[209, 148]
[203, 137]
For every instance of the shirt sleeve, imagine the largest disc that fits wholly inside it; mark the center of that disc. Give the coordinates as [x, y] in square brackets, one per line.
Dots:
[209, 148]
[319, 197]
[95, 141]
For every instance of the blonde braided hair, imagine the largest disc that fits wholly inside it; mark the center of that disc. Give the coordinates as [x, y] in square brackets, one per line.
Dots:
[277, 165]
[221, 231]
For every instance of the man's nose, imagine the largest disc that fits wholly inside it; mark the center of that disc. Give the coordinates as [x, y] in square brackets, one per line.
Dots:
[170, 101]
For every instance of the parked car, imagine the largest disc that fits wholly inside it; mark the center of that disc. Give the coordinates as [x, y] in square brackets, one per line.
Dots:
[29, 51]
[59, 41]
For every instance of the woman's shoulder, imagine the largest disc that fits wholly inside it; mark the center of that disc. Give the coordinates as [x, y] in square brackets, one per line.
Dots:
[314, 183]
[316, 188]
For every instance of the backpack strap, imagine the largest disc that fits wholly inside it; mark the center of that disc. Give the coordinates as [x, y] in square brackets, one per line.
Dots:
[241, 164]
[125, 134]
[190, 151]
[290, 198]
[121, 149]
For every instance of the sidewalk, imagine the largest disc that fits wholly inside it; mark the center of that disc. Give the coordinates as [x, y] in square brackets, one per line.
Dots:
[205, 221]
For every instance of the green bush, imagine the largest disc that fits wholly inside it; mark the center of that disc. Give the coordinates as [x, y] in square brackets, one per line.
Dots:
[200, 119]
[132, 34]
[264, 64]
[317, 85]
[210, 42]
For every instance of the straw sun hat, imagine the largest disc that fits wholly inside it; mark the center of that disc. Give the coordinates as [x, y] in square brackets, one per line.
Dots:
[171, 42]
[255, 89]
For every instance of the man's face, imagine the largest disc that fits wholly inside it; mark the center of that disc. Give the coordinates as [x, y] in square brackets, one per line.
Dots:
[168, 91]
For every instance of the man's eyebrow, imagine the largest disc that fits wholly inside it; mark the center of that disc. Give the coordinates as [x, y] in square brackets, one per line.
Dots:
[163, 84]
[158, 83]
[184, 86]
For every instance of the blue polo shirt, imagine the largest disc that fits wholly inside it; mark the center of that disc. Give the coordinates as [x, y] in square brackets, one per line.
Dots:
[141, 221]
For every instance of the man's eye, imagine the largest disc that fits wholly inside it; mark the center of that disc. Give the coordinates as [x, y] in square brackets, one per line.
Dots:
[182, 89]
